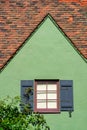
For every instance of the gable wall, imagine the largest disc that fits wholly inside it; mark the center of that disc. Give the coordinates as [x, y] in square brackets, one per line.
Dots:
[49, 55]
[18, 19]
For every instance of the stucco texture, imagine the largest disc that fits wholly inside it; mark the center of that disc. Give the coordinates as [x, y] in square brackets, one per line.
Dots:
[49, 55]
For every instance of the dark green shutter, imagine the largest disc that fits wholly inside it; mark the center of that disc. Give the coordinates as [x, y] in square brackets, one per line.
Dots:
[66, 95]
[27, 95]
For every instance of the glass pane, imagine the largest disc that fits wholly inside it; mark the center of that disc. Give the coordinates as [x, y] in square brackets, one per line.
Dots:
[41, 105]
[51, 96]
[41, 96]
[51, 87]
[41, 87]
[52, 105]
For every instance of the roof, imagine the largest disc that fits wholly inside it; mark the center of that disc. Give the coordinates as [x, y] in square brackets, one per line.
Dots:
[20, 18]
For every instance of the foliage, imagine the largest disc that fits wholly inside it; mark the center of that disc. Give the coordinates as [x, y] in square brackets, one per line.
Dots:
[11, 118]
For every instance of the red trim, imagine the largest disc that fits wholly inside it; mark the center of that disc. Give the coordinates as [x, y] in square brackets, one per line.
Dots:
[47, 110]
[58, 96]
[46, 97]
[35, 84]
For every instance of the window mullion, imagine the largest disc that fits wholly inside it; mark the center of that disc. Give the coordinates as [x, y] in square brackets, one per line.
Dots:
[47, 96]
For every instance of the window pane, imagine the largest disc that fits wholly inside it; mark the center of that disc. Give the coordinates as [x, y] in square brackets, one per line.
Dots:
[41, 105]
[41, 96]
[52, 105]
[51, 96]
[51, 87]
[41, 87]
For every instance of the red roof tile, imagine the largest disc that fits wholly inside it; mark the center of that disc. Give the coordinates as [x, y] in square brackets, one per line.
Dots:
[19, 18]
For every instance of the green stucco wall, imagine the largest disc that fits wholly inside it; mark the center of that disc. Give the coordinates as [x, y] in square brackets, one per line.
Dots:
[48, 54]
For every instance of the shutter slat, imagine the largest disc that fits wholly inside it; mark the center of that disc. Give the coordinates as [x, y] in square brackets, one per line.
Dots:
[27, 94]
[66, 95]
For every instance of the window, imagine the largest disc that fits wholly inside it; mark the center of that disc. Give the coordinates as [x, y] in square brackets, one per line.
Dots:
[47, 96]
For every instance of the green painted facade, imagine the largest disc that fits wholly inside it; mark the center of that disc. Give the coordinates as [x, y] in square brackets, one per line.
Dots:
[49, 55]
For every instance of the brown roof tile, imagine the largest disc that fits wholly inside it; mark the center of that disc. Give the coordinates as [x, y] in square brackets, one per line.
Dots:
[19, 18]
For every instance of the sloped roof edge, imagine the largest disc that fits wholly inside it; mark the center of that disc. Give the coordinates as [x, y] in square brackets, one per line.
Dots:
[65, 35]
[33, 32]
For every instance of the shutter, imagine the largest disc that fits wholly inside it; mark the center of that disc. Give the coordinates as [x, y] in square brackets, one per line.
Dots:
[66, 95]
[27, 95]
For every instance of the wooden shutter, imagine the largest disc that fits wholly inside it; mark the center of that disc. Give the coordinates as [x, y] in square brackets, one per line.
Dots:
[66, 95]
[27, 95]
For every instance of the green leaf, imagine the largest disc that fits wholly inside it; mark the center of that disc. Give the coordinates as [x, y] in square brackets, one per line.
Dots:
[13, 119]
